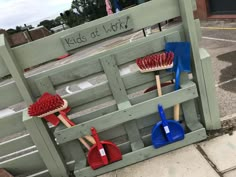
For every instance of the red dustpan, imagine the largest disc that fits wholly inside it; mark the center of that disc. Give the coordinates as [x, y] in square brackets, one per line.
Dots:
[103, 152]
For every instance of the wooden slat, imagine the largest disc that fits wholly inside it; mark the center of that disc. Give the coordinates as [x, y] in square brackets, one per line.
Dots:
[191, 35]
[26, 164]
[46, 145]
[10, 95]
[151, 45]
[11, 124]
[42, 50]
[44, 173]
[3, 69]
[214, 118]
[118, 90]
[15, 70]
[151, 95]
[135, 112]
[15, 144]
[144, 154]
[88, 95]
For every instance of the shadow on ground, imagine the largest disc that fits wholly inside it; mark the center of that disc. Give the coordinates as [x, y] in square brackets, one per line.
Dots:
[229, 72]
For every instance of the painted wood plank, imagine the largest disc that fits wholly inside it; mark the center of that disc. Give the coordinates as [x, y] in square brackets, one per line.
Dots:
[209, 79]
[15, 70]
[46, 145]
[144, 154]
[150, 95]
[42, 50]
[17, 166]
[44, 173]
[137, 78]
[122, 116]
[45, 85]
[74, 148]
[177, 28]
[15, 144]
[190, 115]
[70, 72]
[92, 105]
[114, 79]
[11, 95]
[134, 51]
[118, 90]
[191, 34]
[80, 98]
[11, 125]
[3, 69]
[97, 32]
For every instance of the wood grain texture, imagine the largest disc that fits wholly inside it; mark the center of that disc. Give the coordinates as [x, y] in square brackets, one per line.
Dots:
[122, 116]
[191, 35]
[97, 33]
[15, 144]
[11, 95]
[118, 90]
[46, 146]
[17, 166]
[214, 118]
[49, 48]
[12, 124]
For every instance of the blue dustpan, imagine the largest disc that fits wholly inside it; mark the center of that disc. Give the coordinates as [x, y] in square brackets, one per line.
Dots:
[166, 131]
[182, 53]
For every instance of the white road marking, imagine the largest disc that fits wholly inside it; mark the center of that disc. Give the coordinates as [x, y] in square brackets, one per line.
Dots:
[219, 39]
[225, 82]
[68, 90]
[132, 37]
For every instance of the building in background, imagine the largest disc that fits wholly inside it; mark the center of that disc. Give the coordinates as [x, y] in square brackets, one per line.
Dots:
[26, 36]
[218, 9]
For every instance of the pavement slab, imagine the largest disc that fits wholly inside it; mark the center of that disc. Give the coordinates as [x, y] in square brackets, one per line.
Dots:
[230, 174]
[184, 162]
[221, 151]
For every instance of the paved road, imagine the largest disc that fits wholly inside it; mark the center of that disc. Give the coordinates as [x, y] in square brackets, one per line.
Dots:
[221, 44]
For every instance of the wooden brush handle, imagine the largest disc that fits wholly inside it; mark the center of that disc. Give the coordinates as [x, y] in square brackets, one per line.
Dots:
[68, 125]
[176, 112]
[158, 82]
[66, 119]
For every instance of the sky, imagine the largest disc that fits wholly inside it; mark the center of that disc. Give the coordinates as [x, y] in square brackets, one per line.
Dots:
[30, 12]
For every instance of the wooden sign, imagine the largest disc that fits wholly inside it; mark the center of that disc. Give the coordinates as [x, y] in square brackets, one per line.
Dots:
[96, 33]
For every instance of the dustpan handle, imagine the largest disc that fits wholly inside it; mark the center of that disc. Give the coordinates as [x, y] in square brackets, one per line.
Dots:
[165, 123]
[177, 79]
[99, 146]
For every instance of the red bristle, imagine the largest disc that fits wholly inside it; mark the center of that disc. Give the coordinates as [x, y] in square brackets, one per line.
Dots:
[45, 104]
[158, 60]
[171, 58]
[149, 61]
[167, 58]
[153, 61]
[145, 61]
[164, 59]
[139, 63]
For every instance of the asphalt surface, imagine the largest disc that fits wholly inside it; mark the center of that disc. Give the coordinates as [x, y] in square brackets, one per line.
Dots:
[220, 42]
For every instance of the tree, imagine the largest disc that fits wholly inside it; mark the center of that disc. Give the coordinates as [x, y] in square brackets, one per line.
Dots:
[89, 9]
[49, 23]
[71, 19]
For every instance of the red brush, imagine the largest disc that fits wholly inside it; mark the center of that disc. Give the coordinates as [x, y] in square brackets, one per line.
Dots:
[46, 107]
[156, 62]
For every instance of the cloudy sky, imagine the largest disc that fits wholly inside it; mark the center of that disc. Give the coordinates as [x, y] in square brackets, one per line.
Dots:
[20, 12]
